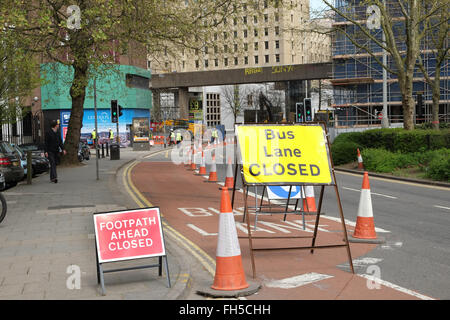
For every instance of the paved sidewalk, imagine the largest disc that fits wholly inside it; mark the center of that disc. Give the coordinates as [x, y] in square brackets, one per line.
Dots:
[49, 227]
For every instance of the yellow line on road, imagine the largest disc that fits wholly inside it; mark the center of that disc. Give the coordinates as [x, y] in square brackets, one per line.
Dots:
[142, 202]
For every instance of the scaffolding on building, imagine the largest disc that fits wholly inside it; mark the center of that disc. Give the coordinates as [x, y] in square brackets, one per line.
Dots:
[357, 76]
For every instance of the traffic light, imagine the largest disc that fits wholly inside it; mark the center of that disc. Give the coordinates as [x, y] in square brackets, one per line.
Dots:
[299, 112]
[308, 111]
[114, 112]
[419, 105]
[120, 110]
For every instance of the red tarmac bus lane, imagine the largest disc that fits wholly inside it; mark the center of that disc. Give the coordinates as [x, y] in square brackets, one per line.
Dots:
[191, 206]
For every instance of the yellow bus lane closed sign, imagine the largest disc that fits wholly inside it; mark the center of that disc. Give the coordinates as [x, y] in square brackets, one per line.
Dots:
[284, 154]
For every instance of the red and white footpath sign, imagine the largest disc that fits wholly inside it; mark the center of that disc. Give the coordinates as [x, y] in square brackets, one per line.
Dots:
[131, 234]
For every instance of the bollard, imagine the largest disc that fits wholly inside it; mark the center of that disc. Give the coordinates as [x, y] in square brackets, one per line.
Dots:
[29, 167]
[107, 149]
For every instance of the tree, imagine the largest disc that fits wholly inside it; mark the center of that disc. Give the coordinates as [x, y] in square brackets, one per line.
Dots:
[88, 34]
[16, 80]
[235, 97]
[404, 23]
[437, 42]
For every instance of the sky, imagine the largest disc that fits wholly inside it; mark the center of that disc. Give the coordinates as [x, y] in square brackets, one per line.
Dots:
[316, 4]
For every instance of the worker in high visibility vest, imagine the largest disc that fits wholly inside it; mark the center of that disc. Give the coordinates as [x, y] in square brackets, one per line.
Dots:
[172, 137]
[178, 138]
[214, 135]
[111, 136]
[94, 137]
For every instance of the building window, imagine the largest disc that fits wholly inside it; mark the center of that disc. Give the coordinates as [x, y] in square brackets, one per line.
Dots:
[277, 30]
[245, 46]
[245, 60]
[255, 19]
[236, 61]
[266, 31]
[256, 46]
[277, 57]
[235, 33]
[245, 33]
[244, 19]
[266, 58]
[206, 63]
[216, 62]
[277, 44]
[225, 62]
[256, 32]
[197, 64]
[256, 59]
[266, 45]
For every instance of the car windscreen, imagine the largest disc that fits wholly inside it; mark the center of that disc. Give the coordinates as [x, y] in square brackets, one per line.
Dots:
[6, 147]
[31, 147]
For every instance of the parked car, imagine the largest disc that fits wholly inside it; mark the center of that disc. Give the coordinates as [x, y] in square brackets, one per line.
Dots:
[2, 181]
[39, 163]
[84, 152]
[10, 164]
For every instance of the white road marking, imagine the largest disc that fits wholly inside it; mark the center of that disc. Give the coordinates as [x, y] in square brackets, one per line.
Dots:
[297, 281]
[202, 232]
[366, 261]
[395, 287]
[442, 207]
[374, 193]
[352, 224]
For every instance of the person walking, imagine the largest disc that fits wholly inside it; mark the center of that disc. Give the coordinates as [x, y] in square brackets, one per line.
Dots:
[53, 144]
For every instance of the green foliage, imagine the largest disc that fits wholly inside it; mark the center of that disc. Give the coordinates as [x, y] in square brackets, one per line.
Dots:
[388, 150]
[343, 149]
[439, 166]
[380, 160]
[434, 163]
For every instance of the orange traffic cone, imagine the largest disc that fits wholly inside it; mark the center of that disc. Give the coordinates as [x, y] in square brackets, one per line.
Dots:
[360, 160]
[309, 202]
[193, 165]
[365, 227]
[202, 170]
[229, 270]
[229, 179]
[213, 171]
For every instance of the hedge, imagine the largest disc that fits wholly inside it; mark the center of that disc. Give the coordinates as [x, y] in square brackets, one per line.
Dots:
[434, 163]
[393, 140]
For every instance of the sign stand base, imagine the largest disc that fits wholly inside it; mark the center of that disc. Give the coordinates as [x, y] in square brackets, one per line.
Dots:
[101, 272]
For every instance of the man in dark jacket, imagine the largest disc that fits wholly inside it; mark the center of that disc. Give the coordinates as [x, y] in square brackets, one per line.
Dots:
[53, 144]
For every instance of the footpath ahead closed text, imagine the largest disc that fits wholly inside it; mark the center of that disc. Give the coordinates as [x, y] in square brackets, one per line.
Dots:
[129, 234]
[284, 154]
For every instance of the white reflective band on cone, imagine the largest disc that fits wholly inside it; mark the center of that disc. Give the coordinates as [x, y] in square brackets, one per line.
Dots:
[227, 243]
[365, 204]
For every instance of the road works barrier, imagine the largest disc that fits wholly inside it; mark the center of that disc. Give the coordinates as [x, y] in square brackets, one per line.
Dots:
[360, 160]
[309, 201]
[365, 226]
[287, 155]
[229, 278]
[213, 171]
[128, 235]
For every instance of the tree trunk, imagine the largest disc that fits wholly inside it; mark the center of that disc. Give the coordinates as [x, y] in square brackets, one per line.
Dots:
[78, 94]
[408, 103]
[436, 95]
